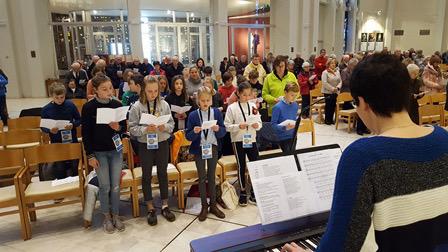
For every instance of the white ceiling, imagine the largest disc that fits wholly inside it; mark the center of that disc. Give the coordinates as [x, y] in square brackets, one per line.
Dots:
[235, 7]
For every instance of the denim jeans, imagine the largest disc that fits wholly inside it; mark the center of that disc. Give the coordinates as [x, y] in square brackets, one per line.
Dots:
[109, 173]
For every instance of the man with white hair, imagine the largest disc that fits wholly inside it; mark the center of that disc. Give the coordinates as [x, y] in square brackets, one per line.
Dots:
[95, 59]
[175, 68]
[415, 94]
[344, 62]
[78, 74]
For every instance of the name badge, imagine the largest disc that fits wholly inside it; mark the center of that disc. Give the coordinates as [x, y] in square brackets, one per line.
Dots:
[81, 82]
[206, 151]
[117, 142]
[119, 73]
[135, 70]
[66, 136]
[152, 142]
[247, 141]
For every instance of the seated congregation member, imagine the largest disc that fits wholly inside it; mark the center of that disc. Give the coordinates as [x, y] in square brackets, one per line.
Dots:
[135, 87]
[208, 71]
[307, 81]
[78, 74]
[103, 147]
[163, 86]
[275, 82]
[61, 109]
[204, 146]
[390, 194]
[216, 97]
[74, 92]
[145, 67]
[193, 83]
[286, 109]
[331, 84]
[227, 89]
[243, 136]
[415, 85]
[179, 97]
[153, 145]
[157, 69]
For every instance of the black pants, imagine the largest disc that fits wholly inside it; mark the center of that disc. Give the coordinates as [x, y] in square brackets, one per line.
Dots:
[148, 159]
[3, 110]
[330, 107]
[285, 145]
[240, 154]
[207, 175]
[305, 104]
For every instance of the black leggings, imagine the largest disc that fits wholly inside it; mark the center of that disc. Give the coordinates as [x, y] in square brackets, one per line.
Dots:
[240, 154]
[330, 107]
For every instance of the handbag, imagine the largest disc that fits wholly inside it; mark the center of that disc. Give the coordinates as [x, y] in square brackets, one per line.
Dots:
[229, 195]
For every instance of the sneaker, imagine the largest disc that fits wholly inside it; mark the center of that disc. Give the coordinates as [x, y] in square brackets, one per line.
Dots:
[108, 226]
[152, 217]
[118, 224]
[243, 199]
[252, 199]
[169, 216]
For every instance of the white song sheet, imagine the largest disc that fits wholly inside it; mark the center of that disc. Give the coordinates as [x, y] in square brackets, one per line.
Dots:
[284, 193]
[180, 110]
[50, 124]
[148, 119]
[108, 115]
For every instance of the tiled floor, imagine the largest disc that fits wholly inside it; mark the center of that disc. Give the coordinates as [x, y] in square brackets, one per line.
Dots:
[60, 229]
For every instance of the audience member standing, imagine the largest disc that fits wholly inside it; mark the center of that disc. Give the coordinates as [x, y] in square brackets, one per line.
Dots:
[95, 59]
[145, 67]
[255, 65]
[320, 63]
[157, 69]
[432, 77]
[242, 63]
[415, 93]
[3, 107]
[268, 63]
[307, 81]
[174, 69]
[331, 84]
[193, 83]
[79, 75]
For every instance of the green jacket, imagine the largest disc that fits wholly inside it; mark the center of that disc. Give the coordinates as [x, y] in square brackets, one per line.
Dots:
[274, 87]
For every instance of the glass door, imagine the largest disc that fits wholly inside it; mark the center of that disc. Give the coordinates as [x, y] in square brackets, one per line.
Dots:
[248, 40]
[167, 41]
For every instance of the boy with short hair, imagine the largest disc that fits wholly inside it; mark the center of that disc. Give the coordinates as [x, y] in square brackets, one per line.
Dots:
[227, 89]
[208, 70]
[61, 109]
[133, 94]
[253, 80]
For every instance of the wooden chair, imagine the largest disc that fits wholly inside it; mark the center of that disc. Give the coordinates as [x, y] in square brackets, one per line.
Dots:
[426, 99]
[349, 114]
[26, 122]
[43, 191]
[12, 161]
[189, 175]
[19, 139]
[439, 99]
[319, 107]
[429, 114]
[1, 126]
[307, 125]
[79, 103]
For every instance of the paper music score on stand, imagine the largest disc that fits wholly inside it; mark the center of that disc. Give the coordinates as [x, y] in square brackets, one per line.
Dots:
[284, 193]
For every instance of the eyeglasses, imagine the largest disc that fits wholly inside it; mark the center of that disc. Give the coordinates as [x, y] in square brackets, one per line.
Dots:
[355, 103]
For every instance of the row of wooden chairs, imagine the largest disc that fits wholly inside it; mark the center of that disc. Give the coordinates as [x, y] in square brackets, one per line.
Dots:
[432, 109]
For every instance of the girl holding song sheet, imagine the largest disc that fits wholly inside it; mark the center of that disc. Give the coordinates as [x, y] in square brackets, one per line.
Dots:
[153, 144]
[205, 145]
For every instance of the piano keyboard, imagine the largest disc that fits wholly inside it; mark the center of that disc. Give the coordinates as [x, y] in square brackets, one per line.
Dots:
[311, 243]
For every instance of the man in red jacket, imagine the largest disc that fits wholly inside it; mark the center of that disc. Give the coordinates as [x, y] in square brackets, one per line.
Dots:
[320, 63]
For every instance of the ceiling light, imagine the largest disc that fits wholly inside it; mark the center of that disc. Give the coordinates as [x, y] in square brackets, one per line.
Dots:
[168, 12]
[192, 14]
[243, 2]
[95, 12]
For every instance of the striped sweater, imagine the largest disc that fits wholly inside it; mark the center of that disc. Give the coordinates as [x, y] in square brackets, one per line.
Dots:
[391, 194]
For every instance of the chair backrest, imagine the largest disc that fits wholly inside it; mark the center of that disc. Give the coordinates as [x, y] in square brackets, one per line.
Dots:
[438, 98]
[424, 100]
[27, 122]
[307, 125]
[316, 93]
[49, 153]
[79, 103]
[13, 137]
[11, 161]
[1, 126]
[429, 110]
[344, 97]
[128, 153]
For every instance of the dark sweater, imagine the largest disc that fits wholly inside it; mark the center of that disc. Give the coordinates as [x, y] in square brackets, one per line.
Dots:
[66, 111]
[98, 137]
[173, 99]
[78, 94]
[396, 187]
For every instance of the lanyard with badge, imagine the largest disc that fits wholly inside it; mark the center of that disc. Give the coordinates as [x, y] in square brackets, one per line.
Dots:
[66, 136]
[247, 137]
[206, 148]
[152, 142]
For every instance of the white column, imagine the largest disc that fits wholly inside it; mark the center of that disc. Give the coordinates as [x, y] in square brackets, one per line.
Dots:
[315, 25]
[440, 36]
[445, 29]
[388, 40]
[135, 28]
[351, 29]
[219, 43]
[339, 30]
[30, 19]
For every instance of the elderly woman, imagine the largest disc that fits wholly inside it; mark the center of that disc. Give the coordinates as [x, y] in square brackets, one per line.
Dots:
[331, 84]
[275, 82]
[415, 85]
[389, 193]
[432, 77]
[346, 73]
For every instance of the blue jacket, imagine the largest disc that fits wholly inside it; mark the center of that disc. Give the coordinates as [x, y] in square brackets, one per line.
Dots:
[65, 111]
[193, 121]
[3, 83]
[281, 112]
